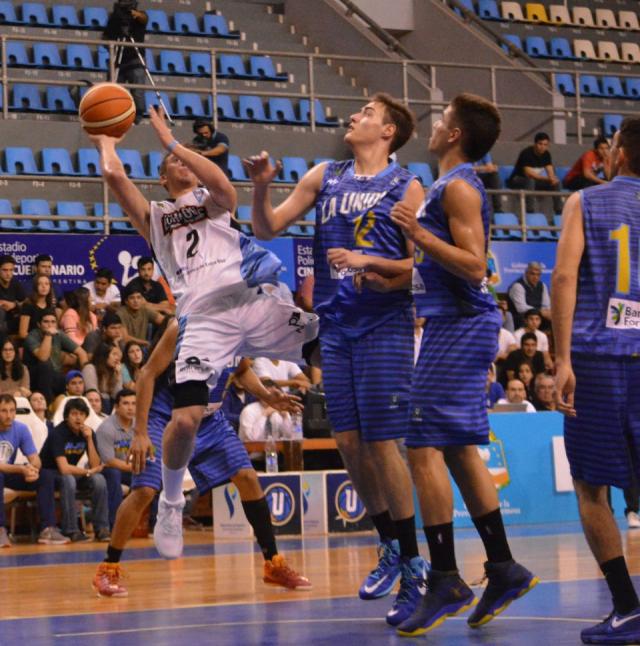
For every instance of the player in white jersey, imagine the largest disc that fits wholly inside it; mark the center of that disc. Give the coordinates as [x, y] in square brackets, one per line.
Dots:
[215, 273]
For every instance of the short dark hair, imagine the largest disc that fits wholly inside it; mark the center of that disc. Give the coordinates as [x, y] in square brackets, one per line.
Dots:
[400, 116]
[131, 289]
[42, 257]
[6, 398]
[629, 139]
[124, 392]
[46, 312]
[541, 136]
[111, 318]
[104, 272]
[528, 336]
[6, 259]
[144, 260]
[600, 140]
[479, 121]
[75, 403]
[532, 312]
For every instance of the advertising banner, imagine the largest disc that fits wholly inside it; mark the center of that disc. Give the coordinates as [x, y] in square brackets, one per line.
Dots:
[345, 511]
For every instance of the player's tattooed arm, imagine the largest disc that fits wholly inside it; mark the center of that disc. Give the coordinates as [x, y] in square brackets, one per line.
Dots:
[266, 220]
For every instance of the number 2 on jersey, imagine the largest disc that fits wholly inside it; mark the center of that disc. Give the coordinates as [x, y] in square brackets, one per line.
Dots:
[623, 273]
[193, 238]
[364, 225]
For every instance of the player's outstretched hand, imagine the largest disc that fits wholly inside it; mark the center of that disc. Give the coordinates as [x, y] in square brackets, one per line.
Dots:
[565, 389]
[141, 448]
[404, 216]
[260, 169]
[158, 120]
[283, 402]
[344, 259]
[371, 280]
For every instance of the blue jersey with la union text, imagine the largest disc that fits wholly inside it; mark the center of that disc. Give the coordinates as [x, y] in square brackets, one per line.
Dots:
[352, 212]
[607, 314]
[436, 291]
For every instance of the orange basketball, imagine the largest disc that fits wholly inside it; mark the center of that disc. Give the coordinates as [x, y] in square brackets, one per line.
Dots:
[107, 109]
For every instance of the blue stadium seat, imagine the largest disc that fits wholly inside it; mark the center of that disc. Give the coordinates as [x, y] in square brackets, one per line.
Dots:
[119, 222]
[216, 25]
[262, 67]
[46, 55]
[58, 99]
[5, 207]
[9, 223]
[506, 219]
[226, 110]
[504, 172]
[561, 48]
[536, 46]
[94, 17]
[251, 109]
[89, 162]
[632, 87]
[561, 172]
[71, 209]
[155, 158]
[423, 171]
[80, 57]
[589, 85]
[158, 22]
[612, 87]
[199, 64]
[236, 170]
[34, 13]
[64, 15]
[132, 162]
[244, 213]
[172, 62]
[232, 66]
[150, 98]
[565, 84]
[189, 105]
[19, 160]
[103, 58]
[186, 23]
[304, 107]
[26, 98]
[514, 40]
[41, 207]
[281, 111]
[538, 220]
[293, 169]
[150, 60]
[8, 13]
[17, 55]
[557, 221]
[488, 10]
[57, 161]
[611, 123]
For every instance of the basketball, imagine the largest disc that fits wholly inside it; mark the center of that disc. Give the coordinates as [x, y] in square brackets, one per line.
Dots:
[107, 109]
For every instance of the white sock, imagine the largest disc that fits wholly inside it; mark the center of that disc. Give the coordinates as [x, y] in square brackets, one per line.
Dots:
[172, 483]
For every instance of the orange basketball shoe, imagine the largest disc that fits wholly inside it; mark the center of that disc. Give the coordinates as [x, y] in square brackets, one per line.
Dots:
[106, 581]
[278, 572]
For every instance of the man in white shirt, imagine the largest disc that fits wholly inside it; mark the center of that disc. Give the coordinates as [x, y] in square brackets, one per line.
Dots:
[253, 423]
[516, 394]
[103, 293]
[284, 374]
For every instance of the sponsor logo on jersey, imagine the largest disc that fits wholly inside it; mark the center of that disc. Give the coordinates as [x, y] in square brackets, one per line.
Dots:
[282, 504]
[348, 504]
[623, 314]
[182, 217]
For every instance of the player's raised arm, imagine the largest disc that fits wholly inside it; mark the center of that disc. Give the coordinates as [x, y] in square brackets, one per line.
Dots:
[129, 197]
[210, 174]
[267, 221]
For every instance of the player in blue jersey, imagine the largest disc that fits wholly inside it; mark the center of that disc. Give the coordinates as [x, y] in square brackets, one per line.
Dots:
[219, 456]
[366, 339]
[448, 416]
[595, 312]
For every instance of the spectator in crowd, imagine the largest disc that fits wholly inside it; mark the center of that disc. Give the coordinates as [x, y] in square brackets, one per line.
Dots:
[15, 435]
[234, 401]
[544, 392]
[284, 374]
[127, 21]
[62, 453]
[525, 374]
[74, 387]
[43, 266]
[104, 294]
[534, 171]
[14, 375]
[507, 317]
[253, 423]
[47, 353]
[591, 168]
[132, 361]
[488, 173]
[114, 437]
[494, 389]
[95, 401]
[40, 409]
[211, 143]
[516, 394]
[41, 298]
[136, 316]
[78, 320]
[529, 292]
[104, 373]
[110, 332]
[532, 322]
[152, 291]
[529, 353]
[11, 294]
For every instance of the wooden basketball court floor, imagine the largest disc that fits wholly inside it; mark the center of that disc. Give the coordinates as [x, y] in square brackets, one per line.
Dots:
[215, 595]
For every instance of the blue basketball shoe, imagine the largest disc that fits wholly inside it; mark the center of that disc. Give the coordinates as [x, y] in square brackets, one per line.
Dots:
[413, 586]
[507, 582]
[383, 577]
[447, 595]
[615, 629]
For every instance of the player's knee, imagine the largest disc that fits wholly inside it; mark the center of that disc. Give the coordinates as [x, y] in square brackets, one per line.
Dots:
[185, 423]
[143, 495]
[593, 494]
[348, 443]
[246, 480]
